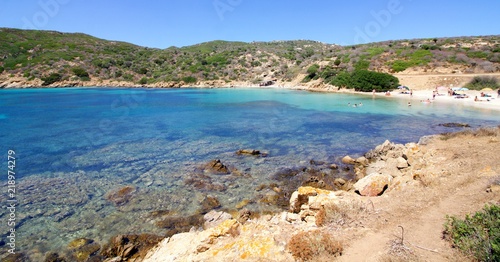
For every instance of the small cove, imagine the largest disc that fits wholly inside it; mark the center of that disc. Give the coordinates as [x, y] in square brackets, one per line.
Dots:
[76, 146]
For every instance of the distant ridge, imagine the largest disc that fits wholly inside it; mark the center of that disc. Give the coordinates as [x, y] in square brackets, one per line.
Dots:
[53, 58]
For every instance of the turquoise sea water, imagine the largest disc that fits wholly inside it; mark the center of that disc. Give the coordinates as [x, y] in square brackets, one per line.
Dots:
[76, 146]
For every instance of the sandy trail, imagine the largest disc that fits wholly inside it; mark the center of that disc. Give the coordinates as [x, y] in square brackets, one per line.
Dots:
[459, 171]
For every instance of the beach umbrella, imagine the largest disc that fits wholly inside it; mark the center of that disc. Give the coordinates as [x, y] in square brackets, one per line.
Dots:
[487, 89]
[403, 87]
[460, 89]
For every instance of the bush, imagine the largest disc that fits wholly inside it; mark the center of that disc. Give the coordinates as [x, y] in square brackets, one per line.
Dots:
[189, 79]
[306, 246]
[143, 81]
[52, 78]
[480, 82]
[1, 69]
[477, 235]
[80, 72]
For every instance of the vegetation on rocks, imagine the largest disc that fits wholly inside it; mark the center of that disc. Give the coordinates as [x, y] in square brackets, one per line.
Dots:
[478, 235]
[39, 55]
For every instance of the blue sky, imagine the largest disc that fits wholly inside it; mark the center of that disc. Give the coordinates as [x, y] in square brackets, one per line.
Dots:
[165, 23]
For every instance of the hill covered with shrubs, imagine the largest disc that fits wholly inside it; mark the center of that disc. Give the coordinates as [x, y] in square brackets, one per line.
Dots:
[49, 57]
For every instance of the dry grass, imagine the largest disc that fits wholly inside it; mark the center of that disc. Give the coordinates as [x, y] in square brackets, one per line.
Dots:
[312, 245]
[341, 214]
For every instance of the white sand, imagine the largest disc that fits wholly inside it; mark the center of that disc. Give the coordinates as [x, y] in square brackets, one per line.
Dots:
[492, 102]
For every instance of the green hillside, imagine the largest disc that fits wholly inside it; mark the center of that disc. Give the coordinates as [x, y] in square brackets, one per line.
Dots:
[54, 57]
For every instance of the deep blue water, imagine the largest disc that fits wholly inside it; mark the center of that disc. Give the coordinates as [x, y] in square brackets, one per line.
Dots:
[75, 145]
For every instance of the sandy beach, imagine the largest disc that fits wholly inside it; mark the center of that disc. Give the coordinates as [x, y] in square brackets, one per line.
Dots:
[490, 101]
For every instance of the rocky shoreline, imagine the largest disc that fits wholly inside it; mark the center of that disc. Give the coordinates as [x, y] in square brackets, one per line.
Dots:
[339, 218]
[310, 208]
[320, 223]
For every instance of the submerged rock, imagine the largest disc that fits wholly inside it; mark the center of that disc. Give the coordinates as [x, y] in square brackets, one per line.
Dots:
[216, 166]
[454, 125]
[121, 196]
[203, 182]
[130, 247]
[54, 257]
[209, 203]
[178, 224]
[251, 152]
[82, 249]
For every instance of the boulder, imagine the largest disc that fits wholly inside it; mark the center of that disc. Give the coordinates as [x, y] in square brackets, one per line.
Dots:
[401, 163]
[362, 160]
[302, 195]
[373, 185]
[380, 150]
[348, 160]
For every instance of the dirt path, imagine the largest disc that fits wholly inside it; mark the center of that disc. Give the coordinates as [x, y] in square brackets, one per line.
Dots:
[454, 182]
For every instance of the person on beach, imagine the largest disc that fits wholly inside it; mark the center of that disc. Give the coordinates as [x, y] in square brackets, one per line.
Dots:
[409, 103]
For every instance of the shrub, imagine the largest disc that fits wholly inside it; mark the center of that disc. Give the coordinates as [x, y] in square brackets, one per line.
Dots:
[477, 235]
[189, 79]
[306, 246]
[50, 79]
[1, 69]
[480, 82]
[143, 81]
[80, 72]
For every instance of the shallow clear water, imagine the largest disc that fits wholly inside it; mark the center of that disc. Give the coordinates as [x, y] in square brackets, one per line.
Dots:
[76, 145]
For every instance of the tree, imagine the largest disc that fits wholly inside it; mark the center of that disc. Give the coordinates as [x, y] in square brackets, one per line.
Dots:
[366, 81]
